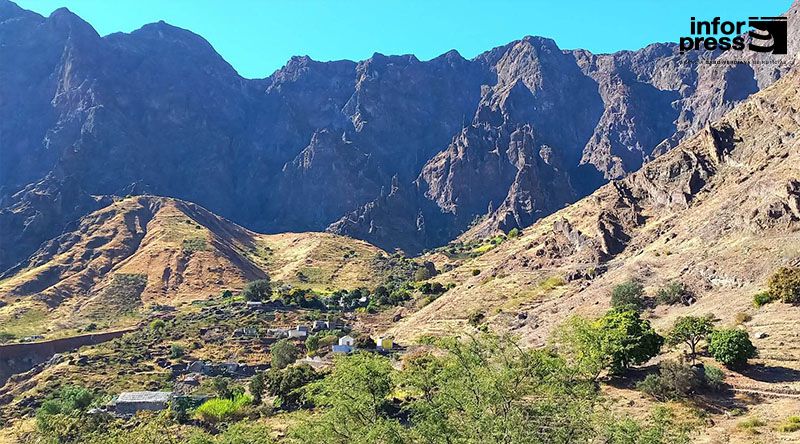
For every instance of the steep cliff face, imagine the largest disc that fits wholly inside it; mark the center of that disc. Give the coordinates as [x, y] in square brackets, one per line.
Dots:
[508, 136]
[719, 213]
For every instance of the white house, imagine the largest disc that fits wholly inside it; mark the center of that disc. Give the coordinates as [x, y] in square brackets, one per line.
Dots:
[297, 333]
[128, 403]
[348, 341]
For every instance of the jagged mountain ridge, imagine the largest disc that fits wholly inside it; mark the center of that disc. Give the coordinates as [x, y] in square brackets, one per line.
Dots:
[719, 213]
[397, 151]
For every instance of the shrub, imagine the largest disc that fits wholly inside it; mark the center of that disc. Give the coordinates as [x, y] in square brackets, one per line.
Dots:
[763, 298]
[742, 318]
[673, 293]
[750, 424]
[158, 325]
[286, 384]
[476, 272]
[784, 284]
[791, 424]
[259, 290]
[475, 318]
[731, 347]
[257, 385]
[675, 380]
[513, 233]
[283, 354]
[244, 432]
[176, 351]
[628, 294]
[6, 337]
[714, 377]
[218, 410]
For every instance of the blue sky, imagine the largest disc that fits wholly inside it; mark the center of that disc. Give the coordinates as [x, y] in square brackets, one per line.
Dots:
[258, 37]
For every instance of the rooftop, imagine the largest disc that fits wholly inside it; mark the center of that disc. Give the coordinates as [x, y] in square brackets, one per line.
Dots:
[144, 397]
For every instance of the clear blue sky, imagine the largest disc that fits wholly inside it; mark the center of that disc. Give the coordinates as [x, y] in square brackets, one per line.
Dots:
[258, 37]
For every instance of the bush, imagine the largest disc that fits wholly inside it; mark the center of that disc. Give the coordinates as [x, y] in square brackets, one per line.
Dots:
[714, 377]
[791, 424]
[763, 298]
[742, 318]
[673, 293]
[513, 233]
[628, 294]
[476, 272]
[286, 384]
[244, 432]
[675, 380]
[475, 318]
[784, 284]
[176, 351]
[257, 386]
[731, 347]
[283, 354]
[260, 290]
[158, 325]
[218, 410]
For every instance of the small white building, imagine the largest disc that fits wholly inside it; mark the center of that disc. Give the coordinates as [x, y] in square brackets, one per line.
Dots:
[297, 333]
[347, 340]
[128, 403]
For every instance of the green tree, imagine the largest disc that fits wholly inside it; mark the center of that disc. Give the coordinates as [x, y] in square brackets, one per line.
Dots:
[690, 330]
[257, 386]
[582, 343]
[675, 380]
[353, 398]
[283, 354]
[628, 294]
[785, 284]
[486, 389]
[260, 290]
[286, 385]
[312, 344]
[629, 339]
[731, 347]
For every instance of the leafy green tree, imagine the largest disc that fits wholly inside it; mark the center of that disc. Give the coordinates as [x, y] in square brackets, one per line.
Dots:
[257, 386]
[286, 385]
[283, 354]
[582, 343]
[353, 398]
[487, 389]
[312, 344]
[158, 325]
[785, 284]
[690, 330]
[513, 233]
[731, 347]
[628, 294]
[629, 339]
[260, 290]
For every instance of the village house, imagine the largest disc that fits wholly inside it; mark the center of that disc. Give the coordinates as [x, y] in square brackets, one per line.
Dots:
[128, 403]
[345, 349]
[296, 333]
[347, 340]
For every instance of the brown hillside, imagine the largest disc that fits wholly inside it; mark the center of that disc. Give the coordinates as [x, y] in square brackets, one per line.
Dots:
[145, 250]
[718, 213]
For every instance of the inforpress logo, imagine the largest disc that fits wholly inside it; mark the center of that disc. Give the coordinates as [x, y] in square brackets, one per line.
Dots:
[727, 35]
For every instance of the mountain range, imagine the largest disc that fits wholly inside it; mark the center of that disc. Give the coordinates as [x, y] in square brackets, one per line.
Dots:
[396, 151]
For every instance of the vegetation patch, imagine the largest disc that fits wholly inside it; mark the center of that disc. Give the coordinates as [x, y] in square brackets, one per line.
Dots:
[194, 244]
